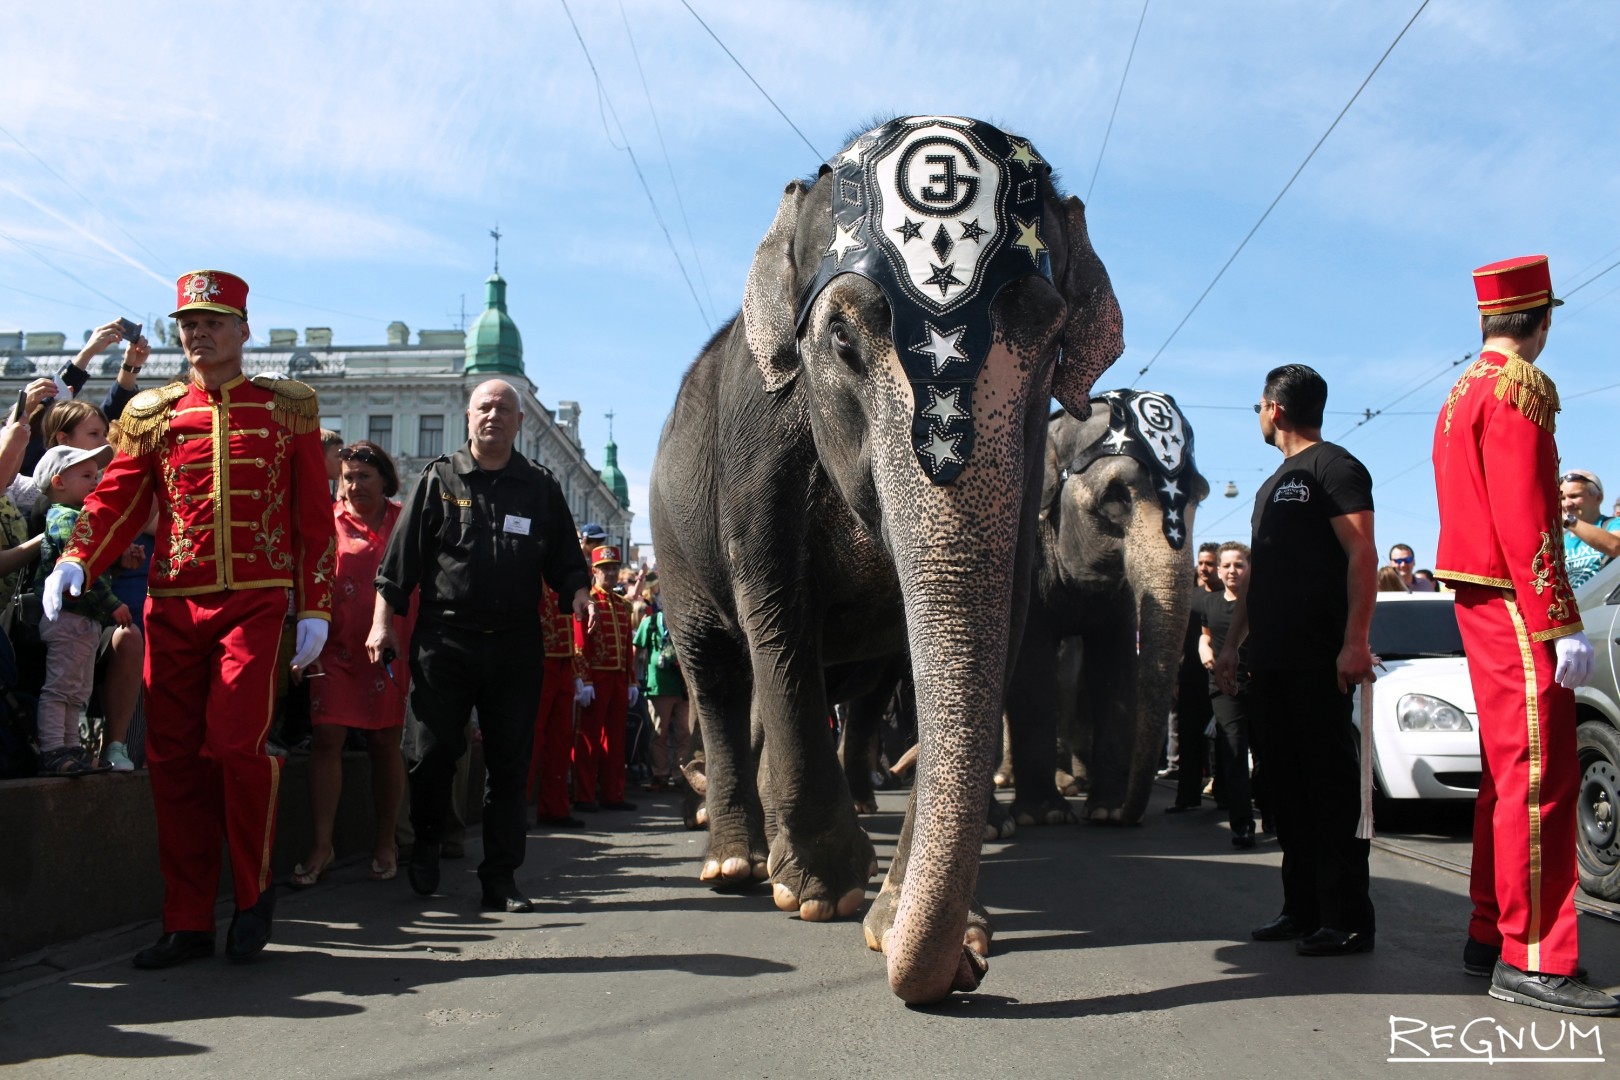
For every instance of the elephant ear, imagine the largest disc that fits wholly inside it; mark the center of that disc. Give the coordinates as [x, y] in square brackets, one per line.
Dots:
[1093, 335]
[769, 315]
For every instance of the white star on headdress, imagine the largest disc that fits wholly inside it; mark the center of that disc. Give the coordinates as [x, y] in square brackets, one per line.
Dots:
[1116, 440]
[1174, 535]
[1172, 516]
[1025, 155]
[844, 239]
[941, 448]
[851, 156]
[1029, 238]
[946, 406]
[943, 348]
[1171, 489]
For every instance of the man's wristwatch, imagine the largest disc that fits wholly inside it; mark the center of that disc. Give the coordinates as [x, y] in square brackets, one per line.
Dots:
[132, 370]
[1570, 520]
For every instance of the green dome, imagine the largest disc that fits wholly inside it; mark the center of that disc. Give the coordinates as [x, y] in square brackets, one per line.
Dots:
[493, 344]
[612, 477]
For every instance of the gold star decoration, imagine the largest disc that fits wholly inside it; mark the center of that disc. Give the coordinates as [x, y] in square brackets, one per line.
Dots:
[1029, 238]
[1025, 155]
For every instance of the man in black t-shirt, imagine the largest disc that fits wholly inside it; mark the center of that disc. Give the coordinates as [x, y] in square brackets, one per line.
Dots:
[1305, 612]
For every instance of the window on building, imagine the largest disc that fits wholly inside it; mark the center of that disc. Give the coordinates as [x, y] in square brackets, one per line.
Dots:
[380, 430]
[430, 436]
[332, 423]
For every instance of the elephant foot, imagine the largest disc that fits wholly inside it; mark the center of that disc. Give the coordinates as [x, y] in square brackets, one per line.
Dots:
[998, 823]
[1111, 815]
[1069, 785]
[822, 877]
[1053, 810]
[693, 812]
[1004, 778]
[866, 806]
[736, 856]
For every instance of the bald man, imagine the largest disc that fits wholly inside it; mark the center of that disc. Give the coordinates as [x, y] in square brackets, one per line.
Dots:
[484, 526]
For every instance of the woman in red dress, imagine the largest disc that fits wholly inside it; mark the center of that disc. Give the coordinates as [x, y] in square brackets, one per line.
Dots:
[348, 690]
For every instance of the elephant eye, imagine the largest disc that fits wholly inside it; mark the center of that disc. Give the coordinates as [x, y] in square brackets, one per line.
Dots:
[843, 342]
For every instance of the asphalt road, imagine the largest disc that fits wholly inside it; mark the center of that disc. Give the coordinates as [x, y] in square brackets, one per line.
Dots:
[1118, 953]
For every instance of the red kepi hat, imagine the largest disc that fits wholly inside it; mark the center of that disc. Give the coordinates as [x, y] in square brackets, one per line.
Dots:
[210, 290]
[606, 555]
[1514, 285]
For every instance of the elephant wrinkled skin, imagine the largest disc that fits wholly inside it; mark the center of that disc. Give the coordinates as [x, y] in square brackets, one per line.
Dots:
[796, 531]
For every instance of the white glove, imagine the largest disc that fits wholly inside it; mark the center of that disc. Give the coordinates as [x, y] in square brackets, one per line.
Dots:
[635, 692]
[311, 640]
[67, 578]
[583, 695]
[1574, 660]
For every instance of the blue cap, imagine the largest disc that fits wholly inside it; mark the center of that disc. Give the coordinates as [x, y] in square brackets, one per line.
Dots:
[592, 531]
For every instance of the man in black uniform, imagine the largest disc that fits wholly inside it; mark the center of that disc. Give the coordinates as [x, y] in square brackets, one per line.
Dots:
[1192, 695]
[1305, 612]
[484, 525]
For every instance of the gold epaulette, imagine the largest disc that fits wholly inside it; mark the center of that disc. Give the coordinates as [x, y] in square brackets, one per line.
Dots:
[145, 420]
[295, 407]
[1532, 393]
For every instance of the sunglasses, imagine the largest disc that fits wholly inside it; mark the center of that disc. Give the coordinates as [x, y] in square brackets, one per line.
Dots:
[1258, 406]
[1408, 561]
[1581, 478]
[363, 454]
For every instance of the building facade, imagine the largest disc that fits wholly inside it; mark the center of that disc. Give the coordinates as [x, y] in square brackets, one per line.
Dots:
[411, 399]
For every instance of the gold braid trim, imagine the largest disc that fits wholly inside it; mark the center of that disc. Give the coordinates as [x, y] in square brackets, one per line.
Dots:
[1532, 393]
[295, 406]
[145, 421]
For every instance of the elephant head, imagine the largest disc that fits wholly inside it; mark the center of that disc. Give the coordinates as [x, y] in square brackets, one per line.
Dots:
[928, 295]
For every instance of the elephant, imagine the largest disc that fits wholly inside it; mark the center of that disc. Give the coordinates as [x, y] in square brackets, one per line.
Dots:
[851, 471]
[1103, 637]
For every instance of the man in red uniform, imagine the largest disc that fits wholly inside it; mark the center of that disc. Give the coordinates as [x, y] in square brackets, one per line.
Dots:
[599, 746]
[565, 674]
[1501, 549]
[235, 470]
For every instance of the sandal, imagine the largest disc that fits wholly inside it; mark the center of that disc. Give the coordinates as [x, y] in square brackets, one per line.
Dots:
[384, 871]
[305, 876]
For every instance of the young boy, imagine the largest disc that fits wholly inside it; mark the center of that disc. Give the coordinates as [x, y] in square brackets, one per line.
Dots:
[66, 475]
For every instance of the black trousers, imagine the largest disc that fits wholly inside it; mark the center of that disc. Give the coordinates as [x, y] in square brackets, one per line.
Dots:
[454, 671]
[1232, 757]
[1192, 717]
[1313, 791]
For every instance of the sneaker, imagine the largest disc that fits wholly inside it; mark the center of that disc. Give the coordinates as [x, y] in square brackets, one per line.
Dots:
[117, 756]
[63, 761]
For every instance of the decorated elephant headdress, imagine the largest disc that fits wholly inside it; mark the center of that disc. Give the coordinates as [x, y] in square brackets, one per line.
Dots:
[1149, 427]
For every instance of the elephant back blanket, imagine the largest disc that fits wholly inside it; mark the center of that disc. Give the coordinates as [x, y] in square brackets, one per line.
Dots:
[1147, 426]
[941, 213]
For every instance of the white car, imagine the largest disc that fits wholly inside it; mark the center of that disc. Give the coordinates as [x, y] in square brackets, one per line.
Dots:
[1425, 728]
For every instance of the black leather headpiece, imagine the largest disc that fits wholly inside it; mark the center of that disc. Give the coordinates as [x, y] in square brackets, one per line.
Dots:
[1149, 427]
[940, 212]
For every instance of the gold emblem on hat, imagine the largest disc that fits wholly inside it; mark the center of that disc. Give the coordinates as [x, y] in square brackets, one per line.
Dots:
[201, 287]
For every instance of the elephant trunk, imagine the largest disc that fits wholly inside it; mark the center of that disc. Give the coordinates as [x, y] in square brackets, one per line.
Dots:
[959, 589]
[1161, 576]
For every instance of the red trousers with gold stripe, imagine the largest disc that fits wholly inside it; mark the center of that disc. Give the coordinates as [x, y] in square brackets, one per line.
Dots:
[599, 746]
[553, 739]
[211, 663]
[1524, 873]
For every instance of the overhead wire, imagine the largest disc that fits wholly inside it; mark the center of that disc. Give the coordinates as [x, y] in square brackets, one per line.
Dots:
[53, 299]
[1117, 95]
[120, 305]
[819, 155]
[1248, 236]
[697, 259]
[603, 98]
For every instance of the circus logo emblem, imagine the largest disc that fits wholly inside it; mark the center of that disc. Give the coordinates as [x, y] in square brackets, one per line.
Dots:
[1292, 491]
[1161, 427]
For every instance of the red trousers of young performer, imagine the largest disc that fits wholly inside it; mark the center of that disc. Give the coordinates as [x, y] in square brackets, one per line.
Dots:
[1524, 871]
[211, 663]
[599, 746]
[553, 739]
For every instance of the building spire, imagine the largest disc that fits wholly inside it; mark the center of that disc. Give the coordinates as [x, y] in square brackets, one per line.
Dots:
[496, 233]
[609, 415]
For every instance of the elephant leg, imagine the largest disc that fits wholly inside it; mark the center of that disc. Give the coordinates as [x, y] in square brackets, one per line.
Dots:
[858, 750]
[1032, 728]
[693, 811]
[820, 858]
[737, 849]
[1109, 681]
[880, 917]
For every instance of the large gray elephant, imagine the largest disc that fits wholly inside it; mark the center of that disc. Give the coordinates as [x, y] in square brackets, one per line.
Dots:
[851, 469]
[1104, 633]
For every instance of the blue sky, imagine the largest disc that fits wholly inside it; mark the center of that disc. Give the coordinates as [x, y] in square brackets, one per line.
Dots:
[348, 161]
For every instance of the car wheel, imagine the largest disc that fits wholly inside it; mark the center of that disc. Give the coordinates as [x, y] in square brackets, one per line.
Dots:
[1597, 809]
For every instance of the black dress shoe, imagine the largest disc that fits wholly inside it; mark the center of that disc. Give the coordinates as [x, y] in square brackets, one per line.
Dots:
[1178, 808]
[505, 896]
[1559, 993]
[1282, 928]
[1330, 942]
[249, 932]
[423, 869]
[176, 948]
[619, 804]
[1243, 838]
[567, 821]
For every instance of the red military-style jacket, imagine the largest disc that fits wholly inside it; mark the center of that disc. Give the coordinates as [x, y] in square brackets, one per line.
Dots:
[239, 480]
[558, 629]
[1496, 476]
[609, 648]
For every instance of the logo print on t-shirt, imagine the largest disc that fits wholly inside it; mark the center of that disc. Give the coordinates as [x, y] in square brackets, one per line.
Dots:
[1293, 491]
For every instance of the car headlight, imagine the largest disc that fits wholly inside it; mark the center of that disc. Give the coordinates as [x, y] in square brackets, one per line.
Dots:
[1420, 712]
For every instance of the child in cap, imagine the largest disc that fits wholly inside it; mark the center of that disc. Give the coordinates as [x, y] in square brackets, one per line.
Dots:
[66, 475]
